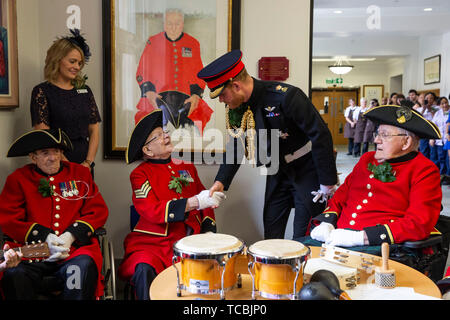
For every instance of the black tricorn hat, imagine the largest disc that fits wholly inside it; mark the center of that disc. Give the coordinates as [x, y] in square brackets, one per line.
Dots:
[405, 118]
[140, 133]
[174, 109]
[39, 139]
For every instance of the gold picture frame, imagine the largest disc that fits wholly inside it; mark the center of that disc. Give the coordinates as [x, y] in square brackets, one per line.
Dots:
[432, 69]
[123, 35]
[9, 71]
[373, 91]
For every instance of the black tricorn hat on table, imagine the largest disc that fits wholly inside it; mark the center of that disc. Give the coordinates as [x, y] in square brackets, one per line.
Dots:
[39, 139]
[405, 118]
[140, 133]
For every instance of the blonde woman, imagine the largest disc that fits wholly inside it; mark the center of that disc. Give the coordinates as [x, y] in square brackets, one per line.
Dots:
[64, 100]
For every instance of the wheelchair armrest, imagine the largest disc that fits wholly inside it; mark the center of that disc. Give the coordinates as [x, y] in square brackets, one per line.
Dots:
[431, 241]
[100, 231]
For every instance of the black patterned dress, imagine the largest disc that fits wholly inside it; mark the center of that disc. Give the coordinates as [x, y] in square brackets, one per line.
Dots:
[71, 110]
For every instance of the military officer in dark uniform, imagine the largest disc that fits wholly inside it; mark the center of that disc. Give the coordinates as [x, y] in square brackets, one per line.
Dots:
[304, 143]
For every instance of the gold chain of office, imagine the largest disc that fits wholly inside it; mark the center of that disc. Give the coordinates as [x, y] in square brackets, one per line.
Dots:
[247, 125]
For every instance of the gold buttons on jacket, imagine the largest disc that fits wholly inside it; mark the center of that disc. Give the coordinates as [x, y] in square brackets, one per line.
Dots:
[57, 216]
[56, 224]
[171, 216]
[52, 179]
[58, 207]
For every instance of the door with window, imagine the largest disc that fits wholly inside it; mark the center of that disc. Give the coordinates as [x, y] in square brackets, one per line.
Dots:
[331, 104]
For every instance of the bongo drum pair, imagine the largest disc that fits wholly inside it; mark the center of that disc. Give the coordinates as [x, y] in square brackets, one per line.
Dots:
[208, 260]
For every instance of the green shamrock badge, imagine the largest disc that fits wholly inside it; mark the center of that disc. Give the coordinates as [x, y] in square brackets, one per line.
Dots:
[44, 188]
[178, 183]
[382, 172]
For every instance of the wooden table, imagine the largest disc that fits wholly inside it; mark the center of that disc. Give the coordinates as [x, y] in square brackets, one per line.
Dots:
[164, 286]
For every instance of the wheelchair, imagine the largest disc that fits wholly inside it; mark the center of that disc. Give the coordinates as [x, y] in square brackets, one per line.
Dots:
[108, 267]
[128, 291]
[108, 271]
[427, 256]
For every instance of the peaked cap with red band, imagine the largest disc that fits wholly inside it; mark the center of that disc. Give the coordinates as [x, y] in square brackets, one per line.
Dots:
[222, 70]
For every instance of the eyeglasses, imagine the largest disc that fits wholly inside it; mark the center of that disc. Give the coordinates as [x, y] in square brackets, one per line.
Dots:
[384, 136]
[165, 131]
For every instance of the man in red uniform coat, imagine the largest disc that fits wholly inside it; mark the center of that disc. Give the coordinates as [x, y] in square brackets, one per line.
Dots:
[170, 62]
[171, 201]
[57, 202]
[392, 195]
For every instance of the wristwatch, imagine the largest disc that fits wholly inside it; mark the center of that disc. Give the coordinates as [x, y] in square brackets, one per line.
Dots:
[90, 163]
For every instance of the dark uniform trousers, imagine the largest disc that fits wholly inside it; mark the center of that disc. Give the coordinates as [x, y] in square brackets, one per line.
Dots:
[291, 188]
[142, 279]
[75, 278]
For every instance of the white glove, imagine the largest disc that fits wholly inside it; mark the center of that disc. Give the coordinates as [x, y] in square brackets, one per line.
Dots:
[219, 196]
[324, 193]
[55, 245]
[205, 201]
[68, 239]
[345, 238]
[322, 231]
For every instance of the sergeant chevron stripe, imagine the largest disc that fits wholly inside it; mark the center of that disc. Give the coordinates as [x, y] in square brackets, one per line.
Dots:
[143, 191]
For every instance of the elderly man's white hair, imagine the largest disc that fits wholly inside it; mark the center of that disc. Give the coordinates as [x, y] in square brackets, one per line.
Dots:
[173, 10]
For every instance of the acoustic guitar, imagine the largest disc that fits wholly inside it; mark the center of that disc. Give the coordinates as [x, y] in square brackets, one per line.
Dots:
[32, 252]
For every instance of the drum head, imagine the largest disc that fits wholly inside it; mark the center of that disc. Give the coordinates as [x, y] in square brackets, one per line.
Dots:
[278, 248]
[209, 243]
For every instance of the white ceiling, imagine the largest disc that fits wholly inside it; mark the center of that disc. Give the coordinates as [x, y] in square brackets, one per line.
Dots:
[401, 22]
[397, 18]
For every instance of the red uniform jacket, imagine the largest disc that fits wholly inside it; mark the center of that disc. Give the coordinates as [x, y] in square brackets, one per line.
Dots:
[162, 219]
[406, 209]
[167, 65]
[26, 215]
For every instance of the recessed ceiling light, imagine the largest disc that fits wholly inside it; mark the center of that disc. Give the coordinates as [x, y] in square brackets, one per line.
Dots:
[337, 11]
[428, 9]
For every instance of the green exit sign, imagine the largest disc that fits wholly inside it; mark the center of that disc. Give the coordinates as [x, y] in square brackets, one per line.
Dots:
[334, 81]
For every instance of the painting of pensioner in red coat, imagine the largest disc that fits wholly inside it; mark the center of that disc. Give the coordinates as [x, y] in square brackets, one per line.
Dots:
[157, 49]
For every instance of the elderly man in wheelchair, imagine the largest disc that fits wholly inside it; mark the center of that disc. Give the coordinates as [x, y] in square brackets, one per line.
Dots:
[392, 195]
[168, 211]
[56, 203]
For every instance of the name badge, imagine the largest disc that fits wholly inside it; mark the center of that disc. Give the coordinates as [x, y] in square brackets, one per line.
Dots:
[82, 90]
